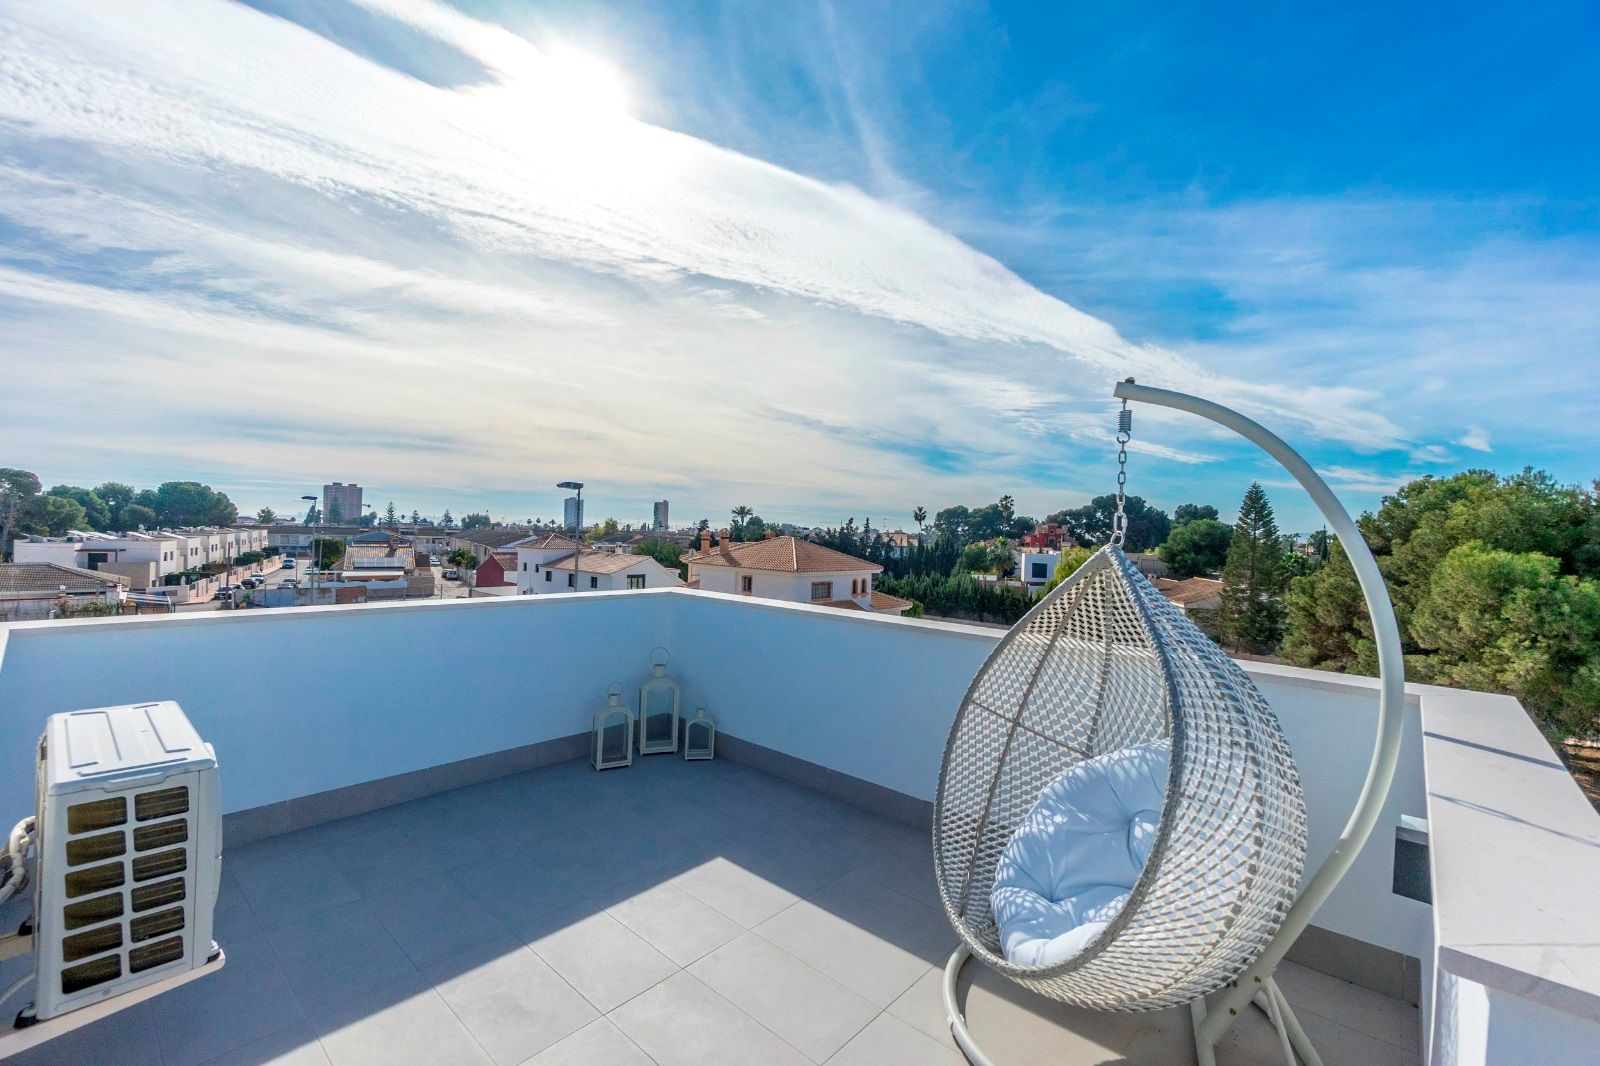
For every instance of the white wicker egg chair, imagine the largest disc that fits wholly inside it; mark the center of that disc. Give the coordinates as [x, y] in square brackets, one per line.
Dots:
[1106, 664]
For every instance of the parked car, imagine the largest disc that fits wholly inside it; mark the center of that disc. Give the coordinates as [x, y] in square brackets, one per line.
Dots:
[450, 573]
[252, 582]
[289, 583]
[224, 590]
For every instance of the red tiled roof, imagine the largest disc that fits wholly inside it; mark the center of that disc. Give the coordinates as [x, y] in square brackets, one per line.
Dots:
[1189, 590]
[788, 555]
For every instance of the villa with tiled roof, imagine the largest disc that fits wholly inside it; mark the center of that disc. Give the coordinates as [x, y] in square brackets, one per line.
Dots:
[788, 568]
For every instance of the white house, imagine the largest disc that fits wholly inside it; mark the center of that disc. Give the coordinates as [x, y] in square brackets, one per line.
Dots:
[144, 558]
[544, 567]
[1034, 567]
[788, 568]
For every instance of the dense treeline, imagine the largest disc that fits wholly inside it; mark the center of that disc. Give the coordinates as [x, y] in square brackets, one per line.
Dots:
[27, 510]
[1496, 586]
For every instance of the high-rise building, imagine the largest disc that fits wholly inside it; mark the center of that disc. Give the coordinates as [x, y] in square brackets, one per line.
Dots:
[660, 523]
[572, 513]
[341, 503]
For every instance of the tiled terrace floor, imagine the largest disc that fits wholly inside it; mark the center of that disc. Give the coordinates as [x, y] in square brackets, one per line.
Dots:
[676, 913]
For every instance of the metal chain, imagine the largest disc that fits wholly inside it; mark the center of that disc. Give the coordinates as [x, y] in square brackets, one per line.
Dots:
[1119, 521]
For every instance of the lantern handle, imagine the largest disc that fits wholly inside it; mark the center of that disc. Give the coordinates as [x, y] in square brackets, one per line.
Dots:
[666, 656]
[614, 689]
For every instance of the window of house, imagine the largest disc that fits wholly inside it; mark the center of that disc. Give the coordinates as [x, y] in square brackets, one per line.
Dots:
[636, 581]
[547, 575]
[572, 581]
[524, 566]
[822, 590]
[594, 582]
[746, 583]
[1038, 570]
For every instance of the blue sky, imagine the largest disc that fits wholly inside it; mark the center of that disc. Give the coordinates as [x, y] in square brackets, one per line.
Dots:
[822, 259]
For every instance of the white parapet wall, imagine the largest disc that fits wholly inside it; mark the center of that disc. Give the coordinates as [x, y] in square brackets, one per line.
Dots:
[303, 701]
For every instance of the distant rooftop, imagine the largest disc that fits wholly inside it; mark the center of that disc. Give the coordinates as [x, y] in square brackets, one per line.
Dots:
[52, 577]
[782, 554]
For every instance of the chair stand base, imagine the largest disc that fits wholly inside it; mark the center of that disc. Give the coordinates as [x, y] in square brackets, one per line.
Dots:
[1296, 1045]
[952, 1009]
[1292, 1038]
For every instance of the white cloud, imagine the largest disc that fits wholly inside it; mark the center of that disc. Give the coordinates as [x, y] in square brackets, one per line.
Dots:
[213, 197]
[1476, 438]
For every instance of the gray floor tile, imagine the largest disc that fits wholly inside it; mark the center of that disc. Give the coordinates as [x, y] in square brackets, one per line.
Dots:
[750, 880]
[127, 1038]
[814, 1013]
[888, 1041]
[872, 941]
[334, 955]
[509, 999]
[603, 959]
[518, 890]
[283, 880]
[294, 1045]
[675, 923]
[434, 921]
[247, 998]
[233, 915]
[597, 1044]
[1377, 1015]
[406, 1022]
[374, 864]
[681, 1022]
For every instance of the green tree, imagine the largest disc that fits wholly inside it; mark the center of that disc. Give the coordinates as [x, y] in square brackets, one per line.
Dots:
[51, 516]
[116, 496]
[740, 513]
[138, 516]
[392, 520]
[335, 513]
[975, 558]
[1503, 621]
[265, 515]
[1252, 613]
[1193, 512]
[1198, 546]
[1071, 559]
[189, 503]
[664, 552]
[1091, 523]
[447, 521]
[95, 511]
[1007, 507]
[920, 517]
[475, 520]
[328, 552]
[17, 487]
[462, 558]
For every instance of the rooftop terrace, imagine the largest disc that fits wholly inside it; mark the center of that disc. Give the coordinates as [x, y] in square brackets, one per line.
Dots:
[420, 867]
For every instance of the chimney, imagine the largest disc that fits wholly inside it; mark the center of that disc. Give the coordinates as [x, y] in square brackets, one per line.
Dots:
[705, 540]
[724, 538]
[772, 534]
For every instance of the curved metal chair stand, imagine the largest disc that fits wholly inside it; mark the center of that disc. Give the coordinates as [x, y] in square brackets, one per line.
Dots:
[1105, 662]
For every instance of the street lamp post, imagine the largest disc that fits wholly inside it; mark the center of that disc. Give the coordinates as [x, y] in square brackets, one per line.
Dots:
[577, 529]
[311, 541]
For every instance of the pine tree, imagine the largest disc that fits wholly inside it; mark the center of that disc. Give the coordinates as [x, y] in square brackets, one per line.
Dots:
[1253, 578]
[390, 519]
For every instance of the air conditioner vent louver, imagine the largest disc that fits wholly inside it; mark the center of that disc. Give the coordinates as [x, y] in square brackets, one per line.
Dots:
[129, 853]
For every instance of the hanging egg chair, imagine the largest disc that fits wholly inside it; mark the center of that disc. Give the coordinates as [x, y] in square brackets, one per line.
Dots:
[1119, 824]
[1105, 666]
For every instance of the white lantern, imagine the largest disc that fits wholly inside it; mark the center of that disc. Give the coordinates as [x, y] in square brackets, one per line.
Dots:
[613, 732]
[699, 735]
[658, 708]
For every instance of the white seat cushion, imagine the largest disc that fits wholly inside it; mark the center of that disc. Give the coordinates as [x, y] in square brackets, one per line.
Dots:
[1070, 865]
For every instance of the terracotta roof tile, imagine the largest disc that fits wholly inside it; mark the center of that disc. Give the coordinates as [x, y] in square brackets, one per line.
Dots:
[783, 554]
[49, 577]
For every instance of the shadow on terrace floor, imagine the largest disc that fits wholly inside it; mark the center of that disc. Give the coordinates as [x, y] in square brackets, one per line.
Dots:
[670, 912]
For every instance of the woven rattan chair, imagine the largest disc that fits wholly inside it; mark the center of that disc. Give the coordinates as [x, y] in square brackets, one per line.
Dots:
[1101, 664]
[1105, 663]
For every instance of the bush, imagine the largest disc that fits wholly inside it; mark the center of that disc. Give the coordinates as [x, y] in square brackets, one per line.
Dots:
[250, 558]
[959, 596]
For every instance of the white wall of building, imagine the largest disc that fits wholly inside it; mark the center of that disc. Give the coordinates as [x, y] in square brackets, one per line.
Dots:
[1035, 568]
[779, 585]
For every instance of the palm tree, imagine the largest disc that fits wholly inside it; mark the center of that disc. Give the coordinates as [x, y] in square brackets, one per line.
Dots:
[920, 517]
[1008, 508]
[740, 513]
